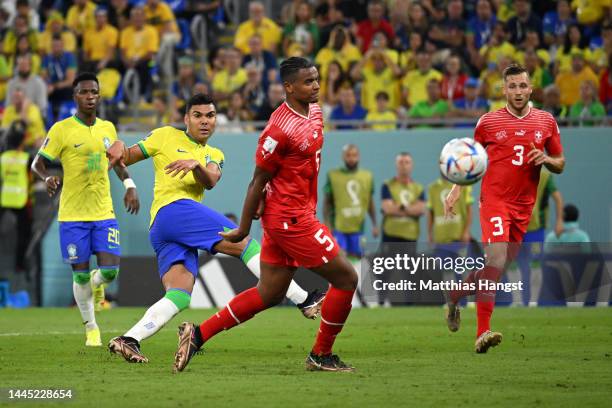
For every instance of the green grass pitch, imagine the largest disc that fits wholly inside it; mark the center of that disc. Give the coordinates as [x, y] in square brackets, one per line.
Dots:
[404, 357]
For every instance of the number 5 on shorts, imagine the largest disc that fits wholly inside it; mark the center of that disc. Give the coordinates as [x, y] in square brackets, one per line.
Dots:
[324, 239]
[499, 226]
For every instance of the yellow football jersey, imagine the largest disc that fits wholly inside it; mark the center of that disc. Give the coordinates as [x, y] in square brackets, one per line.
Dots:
[166, 145]
[82, 151]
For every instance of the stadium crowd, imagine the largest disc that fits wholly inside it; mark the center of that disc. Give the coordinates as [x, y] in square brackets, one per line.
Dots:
[380, 61]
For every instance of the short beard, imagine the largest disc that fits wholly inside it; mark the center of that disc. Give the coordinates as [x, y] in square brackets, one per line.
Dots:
[353, 167]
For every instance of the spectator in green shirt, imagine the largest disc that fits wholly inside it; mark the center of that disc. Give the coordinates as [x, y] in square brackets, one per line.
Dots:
[434, 107]
[301, 36]
[588, 106]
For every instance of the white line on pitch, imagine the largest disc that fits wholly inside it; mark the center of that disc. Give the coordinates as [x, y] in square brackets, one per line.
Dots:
[54, 333]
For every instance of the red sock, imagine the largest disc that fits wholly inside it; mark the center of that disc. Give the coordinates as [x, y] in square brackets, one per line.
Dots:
[456, 295]
[484, 310]
[485, 299]
[240, 309]
[334, 312]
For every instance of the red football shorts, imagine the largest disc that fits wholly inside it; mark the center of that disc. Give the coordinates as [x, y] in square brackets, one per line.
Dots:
[297, 241]
[504, 222]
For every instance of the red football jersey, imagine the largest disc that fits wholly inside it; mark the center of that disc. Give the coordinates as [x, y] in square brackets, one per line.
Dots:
[290, 148]
[507, 139]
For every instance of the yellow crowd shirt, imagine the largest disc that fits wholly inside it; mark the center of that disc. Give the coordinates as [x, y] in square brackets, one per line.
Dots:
[97, 43]
[138, 43]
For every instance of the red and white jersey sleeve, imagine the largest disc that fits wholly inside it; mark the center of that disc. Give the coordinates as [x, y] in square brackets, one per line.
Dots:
[553, 144]
[271, 148]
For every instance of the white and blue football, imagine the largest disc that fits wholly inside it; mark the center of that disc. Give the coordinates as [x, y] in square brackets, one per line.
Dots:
[463, 161]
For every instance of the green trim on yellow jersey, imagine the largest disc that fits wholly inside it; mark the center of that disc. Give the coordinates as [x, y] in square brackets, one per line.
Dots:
[143, 150]
[46, 156]
[190, 138]
[83, 123]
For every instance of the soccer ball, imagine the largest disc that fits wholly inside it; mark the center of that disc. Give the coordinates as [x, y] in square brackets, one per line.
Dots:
[463, 161]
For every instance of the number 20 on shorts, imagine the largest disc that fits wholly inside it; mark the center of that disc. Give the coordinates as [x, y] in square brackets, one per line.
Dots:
[113, 236]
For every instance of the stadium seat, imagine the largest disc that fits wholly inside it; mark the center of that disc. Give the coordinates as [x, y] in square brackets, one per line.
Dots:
[177, 6]
[109, 79]
[66, 110]
[185, 42]
[596, 42]
[49, 118]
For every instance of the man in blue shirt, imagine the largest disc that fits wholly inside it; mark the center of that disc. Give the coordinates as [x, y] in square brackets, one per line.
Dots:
[555, 23]
[59, 70]
[263, 60]
[471, 106]
[480, 27]
[347, 109]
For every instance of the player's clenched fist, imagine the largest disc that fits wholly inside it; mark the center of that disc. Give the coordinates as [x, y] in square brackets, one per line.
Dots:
[116, 154]
[235, 235]
[52, 183]
[131, 201]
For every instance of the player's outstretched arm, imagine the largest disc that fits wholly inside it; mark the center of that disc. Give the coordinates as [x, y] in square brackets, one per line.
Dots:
[327, 210]
[254, 195]
[372, 213]
[451, 200]
[40, 169]
[120, 155]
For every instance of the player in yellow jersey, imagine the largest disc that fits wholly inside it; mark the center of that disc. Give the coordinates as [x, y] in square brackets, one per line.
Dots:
[185, 165]
[86, 216]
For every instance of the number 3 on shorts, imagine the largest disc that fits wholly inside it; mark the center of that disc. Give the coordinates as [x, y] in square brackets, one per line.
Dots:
[324, 239]
[499, 226]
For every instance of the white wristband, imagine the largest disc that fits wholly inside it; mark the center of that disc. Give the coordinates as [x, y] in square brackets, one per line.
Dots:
[129, 183]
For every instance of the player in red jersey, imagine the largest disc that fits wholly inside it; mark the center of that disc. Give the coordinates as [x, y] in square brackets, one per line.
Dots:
[287, 162]
[515, 139]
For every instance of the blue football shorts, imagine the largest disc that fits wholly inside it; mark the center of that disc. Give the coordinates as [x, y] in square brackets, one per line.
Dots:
[81, 239]
[350, 243]
[180, 229]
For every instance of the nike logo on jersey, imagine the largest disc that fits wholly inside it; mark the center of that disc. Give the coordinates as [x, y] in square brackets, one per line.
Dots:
[78, 145]
[182, 151]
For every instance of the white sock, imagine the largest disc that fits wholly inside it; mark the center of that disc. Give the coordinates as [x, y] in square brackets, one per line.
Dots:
[154, 319]
[96, 278]
[356, 302]
[295, 293]
[84, 300]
